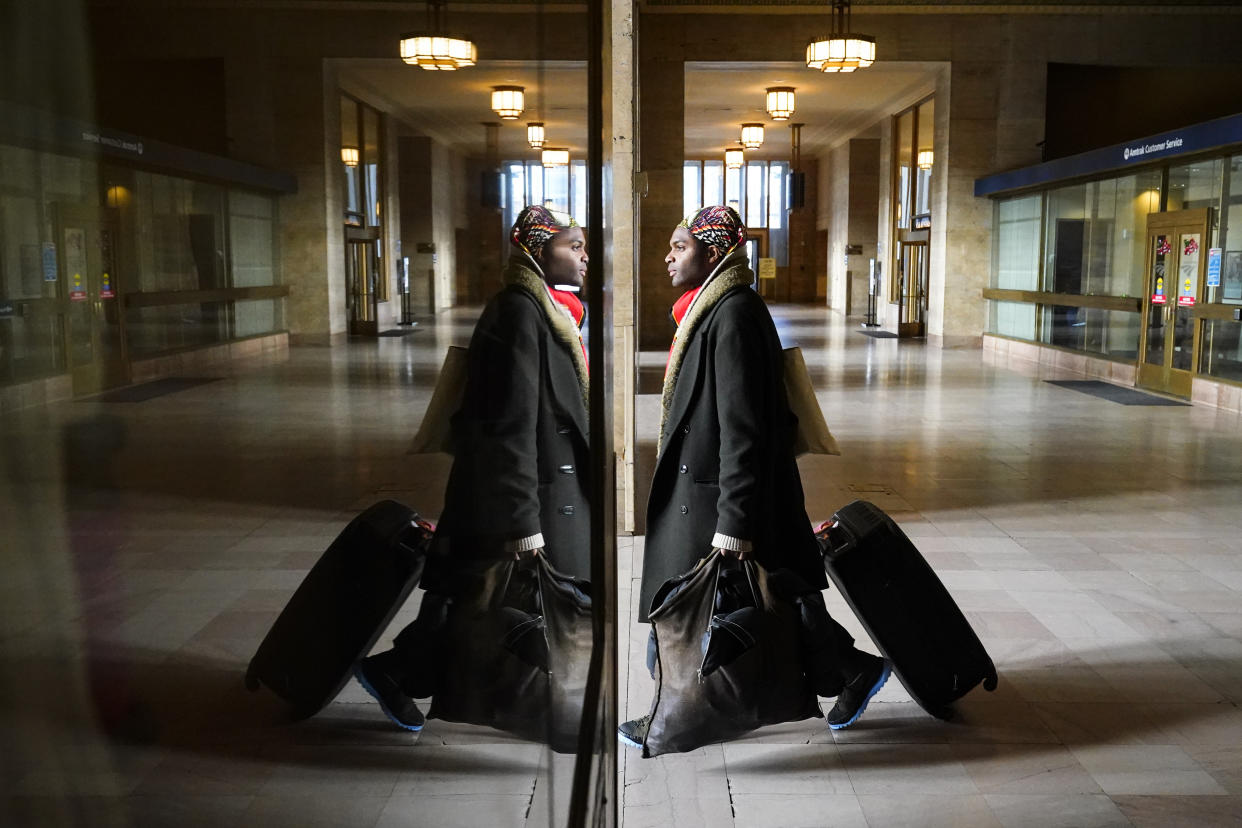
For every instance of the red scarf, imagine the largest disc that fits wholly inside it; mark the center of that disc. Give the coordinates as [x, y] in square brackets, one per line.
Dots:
[679, 313]
[571, 302]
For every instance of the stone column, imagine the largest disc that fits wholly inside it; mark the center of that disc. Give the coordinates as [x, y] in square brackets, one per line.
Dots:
[989, 116]
[306, 116]
[619, 243]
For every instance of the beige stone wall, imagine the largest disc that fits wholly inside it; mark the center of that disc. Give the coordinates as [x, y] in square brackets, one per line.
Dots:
[661, 152]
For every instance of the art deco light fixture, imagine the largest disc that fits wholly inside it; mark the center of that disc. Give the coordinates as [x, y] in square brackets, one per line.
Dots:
[535, 135]
[508, 101]
[435, 49]
[842, 50]
[780, 102]
[734, 158]
[556, 156]
[925, 159]
[752, 136]
[349, 155]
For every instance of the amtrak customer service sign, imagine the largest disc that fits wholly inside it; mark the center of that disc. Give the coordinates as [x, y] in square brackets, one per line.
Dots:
[1204, 137]
[1153, 150]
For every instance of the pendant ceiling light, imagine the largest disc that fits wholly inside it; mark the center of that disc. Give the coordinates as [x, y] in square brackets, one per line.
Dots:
[841, 51]
[435, 49]
[535, 135]
[780, 102]
[555, 157]
[734, 157]
[925, 159]
[752, 136]
[349, 155]
[508, 101]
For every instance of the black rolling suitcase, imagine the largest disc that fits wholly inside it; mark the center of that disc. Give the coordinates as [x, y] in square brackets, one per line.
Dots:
[343, 606]
[905, 609]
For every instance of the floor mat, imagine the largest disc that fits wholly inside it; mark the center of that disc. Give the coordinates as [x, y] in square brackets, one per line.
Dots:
[397, 332]
[1115, 393]
[151, 390]
[879, 334]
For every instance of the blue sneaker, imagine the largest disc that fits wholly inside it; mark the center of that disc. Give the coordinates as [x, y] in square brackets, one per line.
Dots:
[396, 705]
[854, 697]
[634, 732]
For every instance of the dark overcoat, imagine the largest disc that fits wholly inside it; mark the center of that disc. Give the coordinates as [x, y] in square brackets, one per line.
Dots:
[727, 461]
[520, 446]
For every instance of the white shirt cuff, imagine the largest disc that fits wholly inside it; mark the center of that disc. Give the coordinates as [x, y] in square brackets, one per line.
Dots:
[535, 541]
[723, 541]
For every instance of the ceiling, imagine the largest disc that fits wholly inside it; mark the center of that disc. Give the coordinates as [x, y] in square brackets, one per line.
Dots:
[452, 106]
[832, 107]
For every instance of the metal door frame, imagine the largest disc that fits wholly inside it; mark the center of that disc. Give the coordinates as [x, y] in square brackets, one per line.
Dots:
[1164, 377]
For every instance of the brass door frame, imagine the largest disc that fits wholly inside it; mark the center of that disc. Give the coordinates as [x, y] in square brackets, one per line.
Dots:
[911, 239]
[361, 284]
[97, 374]
[1164, 377]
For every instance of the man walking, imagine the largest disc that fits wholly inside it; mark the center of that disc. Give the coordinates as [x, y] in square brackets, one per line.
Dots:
[726, 478]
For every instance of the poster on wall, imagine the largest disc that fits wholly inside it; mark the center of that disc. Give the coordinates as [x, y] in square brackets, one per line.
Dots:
[1213, 269]
[75, 262]
[1188, 270]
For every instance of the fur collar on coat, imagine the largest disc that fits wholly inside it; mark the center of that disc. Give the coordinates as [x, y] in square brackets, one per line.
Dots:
[734, 271]
[521, 274]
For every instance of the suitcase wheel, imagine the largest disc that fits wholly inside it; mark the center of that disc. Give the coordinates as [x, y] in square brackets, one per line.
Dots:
[944, 714]
[252, 682]
[989, 683]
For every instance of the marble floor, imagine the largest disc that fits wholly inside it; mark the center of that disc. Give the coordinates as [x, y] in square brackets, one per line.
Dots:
[146, 548]
[1095, 547]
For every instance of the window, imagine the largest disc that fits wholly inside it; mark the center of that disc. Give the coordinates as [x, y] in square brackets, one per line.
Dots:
[362, 163]
[557, 188]
[757, 191]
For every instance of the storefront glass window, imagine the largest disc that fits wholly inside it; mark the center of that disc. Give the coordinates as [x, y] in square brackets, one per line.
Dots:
[1017, 263]
[1194, 185]
[179, 233]
[31, 322]
[1221, 345]
[1095, 235]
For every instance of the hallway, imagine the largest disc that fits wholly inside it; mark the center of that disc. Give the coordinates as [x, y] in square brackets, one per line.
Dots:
[1096, 547]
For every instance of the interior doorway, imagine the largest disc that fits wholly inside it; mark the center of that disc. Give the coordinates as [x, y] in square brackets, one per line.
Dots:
[361, 277]
[913, 267]
[92, 297]
[1176, 262]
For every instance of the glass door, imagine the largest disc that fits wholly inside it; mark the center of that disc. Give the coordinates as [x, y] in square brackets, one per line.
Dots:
[361, 274]
[1174, 284]
[913, 265]
[94, 321]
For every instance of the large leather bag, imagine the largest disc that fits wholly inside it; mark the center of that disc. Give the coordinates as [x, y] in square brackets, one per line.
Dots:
[762, 684]
[516, 652]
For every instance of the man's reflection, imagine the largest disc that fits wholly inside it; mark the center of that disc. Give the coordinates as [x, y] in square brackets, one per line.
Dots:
[517, 492]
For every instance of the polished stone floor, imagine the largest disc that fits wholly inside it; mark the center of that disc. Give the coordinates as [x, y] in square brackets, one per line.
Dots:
[147, 546]
[1096, 549]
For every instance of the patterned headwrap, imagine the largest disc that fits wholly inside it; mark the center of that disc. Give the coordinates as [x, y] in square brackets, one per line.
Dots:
[719, 226]
[535, 227]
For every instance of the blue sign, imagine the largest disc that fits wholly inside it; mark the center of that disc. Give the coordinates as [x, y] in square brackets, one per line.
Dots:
[1213, 274]
[49, 262]
[1209, 135]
